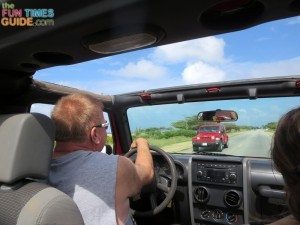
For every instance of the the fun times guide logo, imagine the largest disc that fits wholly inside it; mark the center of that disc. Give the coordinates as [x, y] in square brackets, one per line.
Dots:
[12, 16]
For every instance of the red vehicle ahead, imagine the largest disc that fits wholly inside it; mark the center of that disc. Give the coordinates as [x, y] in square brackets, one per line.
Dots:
[212, 137]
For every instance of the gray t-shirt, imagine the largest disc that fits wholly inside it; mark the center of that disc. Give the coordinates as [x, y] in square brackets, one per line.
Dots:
[90, 179]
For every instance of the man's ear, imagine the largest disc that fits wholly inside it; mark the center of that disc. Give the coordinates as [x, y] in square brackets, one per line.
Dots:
[95, 136]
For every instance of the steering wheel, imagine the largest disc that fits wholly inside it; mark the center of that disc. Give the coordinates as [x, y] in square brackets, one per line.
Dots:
[168, 189]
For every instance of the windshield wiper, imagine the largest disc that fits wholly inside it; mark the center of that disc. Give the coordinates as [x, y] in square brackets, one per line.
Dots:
[211, 153]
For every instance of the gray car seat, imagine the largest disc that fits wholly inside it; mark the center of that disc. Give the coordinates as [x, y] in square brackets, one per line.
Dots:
[26, 144]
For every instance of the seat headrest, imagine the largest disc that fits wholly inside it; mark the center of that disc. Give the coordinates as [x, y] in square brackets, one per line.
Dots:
[26, 145]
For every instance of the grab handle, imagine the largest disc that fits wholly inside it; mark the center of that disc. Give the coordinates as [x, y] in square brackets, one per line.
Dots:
[268, 192]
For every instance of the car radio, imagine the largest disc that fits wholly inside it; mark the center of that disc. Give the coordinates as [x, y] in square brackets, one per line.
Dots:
[217, 173]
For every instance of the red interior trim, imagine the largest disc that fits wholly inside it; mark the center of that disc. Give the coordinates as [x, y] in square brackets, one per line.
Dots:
[213, 89]
[115, 134]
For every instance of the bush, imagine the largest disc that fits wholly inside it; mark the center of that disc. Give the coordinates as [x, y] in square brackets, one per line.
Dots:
[109, 140]
[270, 126]
[158, 133]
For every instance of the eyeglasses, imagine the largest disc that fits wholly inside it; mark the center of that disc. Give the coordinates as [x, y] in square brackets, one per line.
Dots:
[103, 125]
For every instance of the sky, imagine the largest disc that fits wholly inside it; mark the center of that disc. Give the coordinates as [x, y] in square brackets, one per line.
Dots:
[255, 113]
[267, 50]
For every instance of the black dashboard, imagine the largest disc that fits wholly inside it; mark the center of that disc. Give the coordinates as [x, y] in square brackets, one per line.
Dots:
[216, 191]
[226, 189]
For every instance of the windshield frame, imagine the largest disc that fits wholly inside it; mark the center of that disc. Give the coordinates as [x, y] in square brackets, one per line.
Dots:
[285, 92]
[243, 89]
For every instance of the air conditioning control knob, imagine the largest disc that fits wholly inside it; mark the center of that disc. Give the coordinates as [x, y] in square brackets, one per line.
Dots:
[218, 214]
[231, 218]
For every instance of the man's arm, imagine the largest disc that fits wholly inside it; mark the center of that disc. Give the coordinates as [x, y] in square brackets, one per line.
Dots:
[137, 174]
[144, 162]
[131, 177]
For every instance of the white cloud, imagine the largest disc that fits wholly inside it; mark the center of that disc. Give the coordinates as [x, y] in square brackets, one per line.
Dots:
[196, 61]
[197, 72]
[249, 70]
[294, 21]
[278, 68]
[143, 69]
[208, 49]
[202, 73]
[120, 85]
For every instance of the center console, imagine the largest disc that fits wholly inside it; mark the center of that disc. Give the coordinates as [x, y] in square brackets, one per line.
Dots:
[216, 191]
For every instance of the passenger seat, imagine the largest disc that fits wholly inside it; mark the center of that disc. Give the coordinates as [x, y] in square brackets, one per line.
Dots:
[26, 145]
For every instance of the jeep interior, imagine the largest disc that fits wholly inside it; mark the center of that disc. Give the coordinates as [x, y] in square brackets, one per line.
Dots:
[235, 183]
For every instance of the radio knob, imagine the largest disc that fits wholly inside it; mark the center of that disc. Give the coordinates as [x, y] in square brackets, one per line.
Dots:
[232, 177]
[199, 174]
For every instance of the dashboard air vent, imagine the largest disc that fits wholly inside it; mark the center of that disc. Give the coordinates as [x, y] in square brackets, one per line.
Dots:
[232, 198]
[201, 194]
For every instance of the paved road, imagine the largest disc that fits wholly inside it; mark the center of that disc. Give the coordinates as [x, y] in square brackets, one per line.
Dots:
[249, 143]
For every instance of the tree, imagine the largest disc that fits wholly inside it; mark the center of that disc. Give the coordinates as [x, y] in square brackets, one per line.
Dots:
[231, 126]
[271, 126]
[189, 123]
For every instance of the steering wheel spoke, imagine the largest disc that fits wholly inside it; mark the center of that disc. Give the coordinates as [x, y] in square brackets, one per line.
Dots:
[153, 200]
[163, 187]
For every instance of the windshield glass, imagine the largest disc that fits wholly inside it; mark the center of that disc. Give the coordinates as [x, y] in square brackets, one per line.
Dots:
[175, 127]
[208, 129]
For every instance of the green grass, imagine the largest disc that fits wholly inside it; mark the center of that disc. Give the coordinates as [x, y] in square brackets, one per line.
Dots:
[168, 141]
[178, 147]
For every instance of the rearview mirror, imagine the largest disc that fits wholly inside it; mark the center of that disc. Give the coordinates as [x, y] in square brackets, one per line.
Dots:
[218, 116]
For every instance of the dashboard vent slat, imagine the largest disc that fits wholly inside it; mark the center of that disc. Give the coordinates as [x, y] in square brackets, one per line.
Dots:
[201, 194]
[232, 198]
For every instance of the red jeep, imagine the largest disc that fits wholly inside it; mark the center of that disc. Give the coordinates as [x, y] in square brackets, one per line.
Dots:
[211, 137]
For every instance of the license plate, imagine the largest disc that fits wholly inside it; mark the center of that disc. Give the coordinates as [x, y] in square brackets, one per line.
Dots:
[204, 144]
